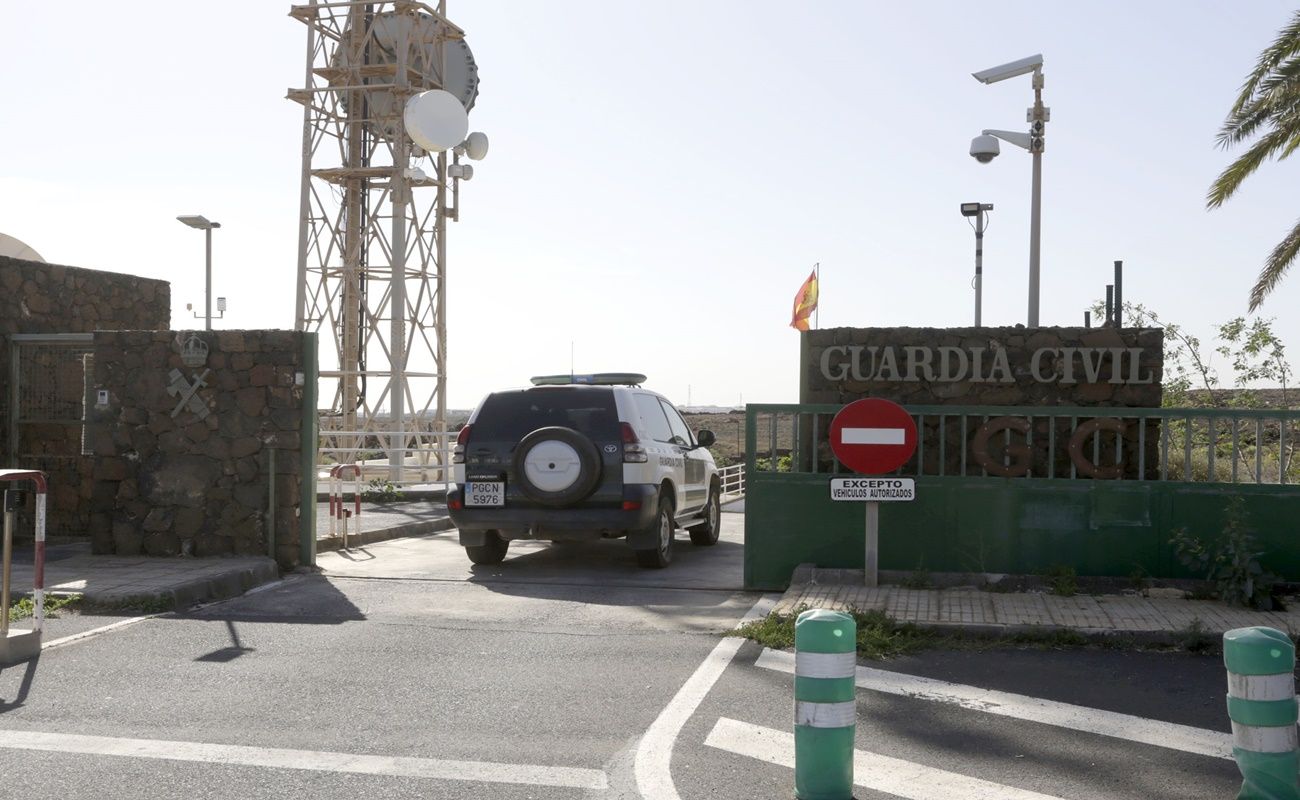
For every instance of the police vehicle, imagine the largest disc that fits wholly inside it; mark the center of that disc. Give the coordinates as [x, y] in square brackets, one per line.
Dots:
[582, 457]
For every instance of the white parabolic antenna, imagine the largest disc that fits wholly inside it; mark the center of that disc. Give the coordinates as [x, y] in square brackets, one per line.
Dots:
[436, 120]
[476, 145]
[14, 248]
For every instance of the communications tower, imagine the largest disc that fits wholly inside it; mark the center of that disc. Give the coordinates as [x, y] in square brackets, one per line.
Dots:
[381, 174]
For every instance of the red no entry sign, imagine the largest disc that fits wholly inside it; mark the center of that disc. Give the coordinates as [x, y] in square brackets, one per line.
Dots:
[873, 436]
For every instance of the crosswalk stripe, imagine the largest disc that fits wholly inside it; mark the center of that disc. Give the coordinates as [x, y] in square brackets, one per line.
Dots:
[905, 779]
[1033, 709]
[654, 754]
[278, 758]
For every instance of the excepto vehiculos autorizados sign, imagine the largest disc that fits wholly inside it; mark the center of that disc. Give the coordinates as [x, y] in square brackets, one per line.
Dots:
[876, 490]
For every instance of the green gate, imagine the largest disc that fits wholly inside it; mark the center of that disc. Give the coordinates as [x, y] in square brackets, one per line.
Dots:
[1020, 489]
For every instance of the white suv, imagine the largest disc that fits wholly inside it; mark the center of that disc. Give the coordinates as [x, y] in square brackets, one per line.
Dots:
[582, 457]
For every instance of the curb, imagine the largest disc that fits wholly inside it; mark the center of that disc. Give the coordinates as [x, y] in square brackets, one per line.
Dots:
[222, 586]
[327, 544]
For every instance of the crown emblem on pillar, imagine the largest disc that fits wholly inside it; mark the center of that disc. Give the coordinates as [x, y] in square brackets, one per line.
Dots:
[194, 351]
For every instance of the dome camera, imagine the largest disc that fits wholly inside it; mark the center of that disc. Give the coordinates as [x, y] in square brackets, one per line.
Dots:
[984, 148]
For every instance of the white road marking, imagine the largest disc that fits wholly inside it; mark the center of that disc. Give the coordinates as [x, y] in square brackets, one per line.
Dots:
[871, 771]
[653, 779]
[276, 758]
[1033, 709]
[76, 637]
[873, 436]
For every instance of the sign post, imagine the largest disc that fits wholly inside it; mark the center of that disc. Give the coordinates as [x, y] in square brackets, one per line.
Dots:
[873, 437]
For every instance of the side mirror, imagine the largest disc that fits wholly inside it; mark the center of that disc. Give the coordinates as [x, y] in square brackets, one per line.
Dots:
[705, 438]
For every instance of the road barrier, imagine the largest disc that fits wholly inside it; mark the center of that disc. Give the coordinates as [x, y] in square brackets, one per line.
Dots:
[336, 498]
[21, 645]
[1262, 706]
[825, 707]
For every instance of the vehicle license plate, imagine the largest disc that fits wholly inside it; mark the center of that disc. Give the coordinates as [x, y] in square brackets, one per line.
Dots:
[485, 493]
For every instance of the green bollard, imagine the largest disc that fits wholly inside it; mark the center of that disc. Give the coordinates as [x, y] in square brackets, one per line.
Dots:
[1262, 707]
[825, 712]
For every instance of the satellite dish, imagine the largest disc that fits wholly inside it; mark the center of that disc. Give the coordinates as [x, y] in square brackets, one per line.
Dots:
[423, 58]
[14, 248]
[476, 145]
[436, 120]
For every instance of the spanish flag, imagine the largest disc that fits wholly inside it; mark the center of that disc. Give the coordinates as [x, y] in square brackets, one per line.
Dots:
[805, 303]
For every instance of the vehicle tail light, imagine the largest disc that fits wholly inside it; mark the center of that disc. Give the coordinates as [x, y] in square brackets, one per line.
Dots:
[633, 452]
[631, 505]
[455, 504]
[458, 453]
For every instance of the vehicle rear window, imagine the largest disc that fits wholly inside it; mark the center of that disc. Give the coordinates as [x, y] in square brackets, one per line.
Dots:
[511, 416]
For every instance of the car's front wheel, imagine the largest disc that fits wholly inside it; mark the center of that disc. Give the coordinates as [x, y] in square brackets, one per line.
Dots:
[492, 551]
[663, 526]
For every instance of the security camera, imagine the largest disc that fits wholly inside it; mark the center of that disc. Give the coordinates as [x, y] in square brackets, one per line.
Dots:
[984, 148]
[1004, 71]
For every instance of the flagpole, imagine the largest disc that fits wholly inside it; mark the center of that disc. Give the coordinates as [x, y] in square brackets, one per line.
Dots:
[817, 270]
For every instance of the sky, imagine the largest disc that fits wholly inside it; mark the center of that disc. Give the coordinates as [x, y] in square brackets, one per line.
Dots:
[663, 176]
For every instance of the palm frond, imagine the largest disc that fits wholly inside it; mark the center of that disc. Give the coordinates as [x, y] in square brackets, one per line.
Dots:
[1286, 45]
[1242, 125]
[1231, 178]
[1280, 79]
[1275, 267]
[1292, 143]
[1280, 101]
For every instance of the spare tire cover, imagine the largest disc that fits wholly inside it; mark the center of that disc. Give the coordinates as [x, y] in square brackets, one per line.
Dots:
[556, 466]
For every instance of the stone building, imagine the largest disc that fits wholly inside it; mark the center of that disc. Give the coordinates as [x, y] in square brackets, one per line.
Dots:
[43, 404]
[156, 441]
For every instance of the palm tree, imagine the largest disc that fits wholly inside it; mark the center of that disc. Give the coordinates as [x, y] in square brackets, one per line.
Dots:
[1268, 108]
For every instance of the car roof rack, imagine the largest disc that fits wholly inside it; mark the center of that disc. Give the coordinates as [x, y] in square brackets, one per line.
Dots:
[594, 379]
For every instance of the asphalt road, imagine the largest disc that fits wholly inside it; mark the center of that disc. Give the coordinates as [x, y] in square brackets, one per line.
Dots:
[566, 672]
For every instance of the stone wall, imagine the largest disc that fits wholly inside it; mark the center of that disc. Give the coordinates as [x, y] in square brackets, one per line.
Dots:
[984, 366]
[185, 471]
[49, 298]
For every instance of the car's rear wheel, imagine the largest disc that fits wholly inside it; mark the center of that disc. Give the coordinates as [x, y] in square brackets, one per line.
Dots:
[492, 551]
[661, 555]
[706, 533]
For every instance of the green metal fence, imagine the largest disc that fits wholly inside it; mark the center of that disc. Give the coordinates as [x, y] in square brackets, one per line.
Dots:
[1022, 489]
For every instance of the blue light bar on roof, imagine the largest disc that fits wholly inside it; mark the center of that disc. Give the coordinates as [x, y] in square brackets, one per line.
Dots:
[594, 379]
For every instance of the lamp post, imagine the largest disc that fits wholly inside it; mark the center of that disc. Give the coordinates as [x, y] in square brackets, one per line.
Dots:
[979, 212]
[202, 223]
[984, 148]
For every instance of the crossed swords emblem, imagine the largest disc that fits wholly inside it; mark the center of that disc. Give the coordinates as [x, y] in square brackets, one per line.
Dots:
[188, 393]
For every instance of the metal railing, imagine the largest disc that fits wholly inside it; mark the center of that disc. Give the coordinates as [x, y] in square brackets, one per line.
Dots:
[1204, 445]
[425, 455]
[732, 480]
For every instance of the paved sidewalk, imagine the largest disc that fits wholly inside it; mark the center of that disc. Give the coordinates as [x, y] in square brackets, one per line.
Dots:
[181, 582]
[380, 522]
[1150, 618]
[115, 580]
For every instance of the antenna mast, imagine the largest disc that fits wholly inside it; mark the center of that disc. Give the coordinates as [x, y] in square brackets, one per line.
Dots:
[372, 252]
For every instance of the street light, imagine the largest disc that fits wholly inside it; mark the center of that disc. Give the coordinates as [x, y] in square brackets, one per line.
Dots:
[979, 212]
[202, 223]
[984, 148]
